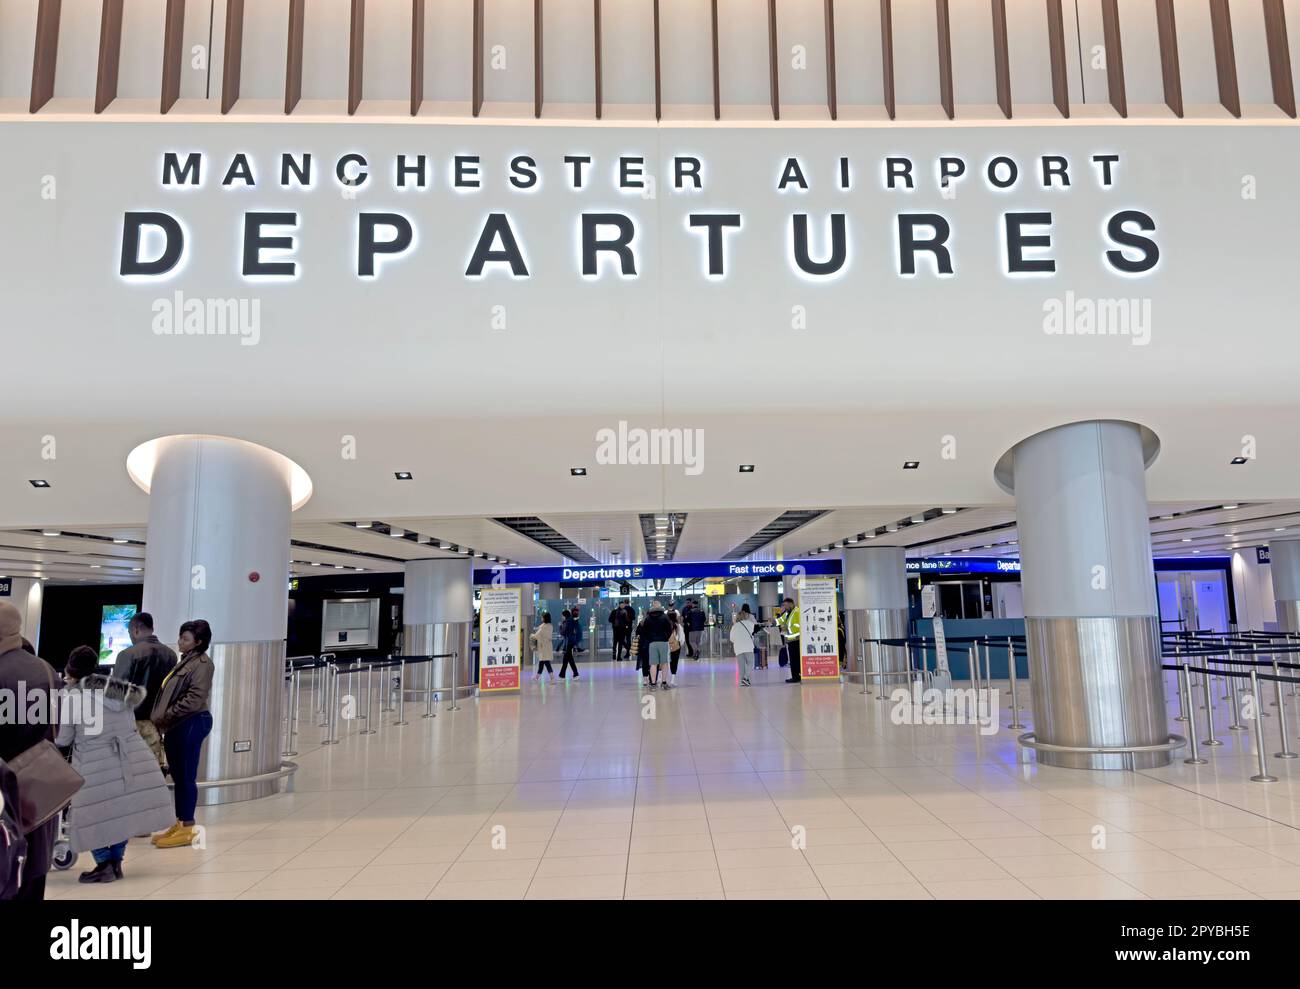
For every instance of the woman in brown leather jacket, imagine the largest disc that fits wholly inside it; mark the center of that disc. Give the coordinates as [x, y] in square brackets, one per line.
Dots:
[181, 714]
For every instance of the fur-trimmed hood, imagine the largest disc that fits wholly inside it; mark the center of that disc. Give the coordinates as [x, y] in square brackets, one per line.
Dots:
[118, 694]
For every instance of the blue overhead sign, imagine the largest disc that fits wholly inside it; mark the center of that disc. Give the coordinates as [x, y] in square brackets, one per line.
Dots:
[596, 573]
[967, 565]
[1261, 554]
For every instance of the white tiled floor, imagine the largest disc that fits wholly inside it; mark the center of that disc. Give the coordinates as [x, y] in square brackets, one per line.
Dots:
[568, 791]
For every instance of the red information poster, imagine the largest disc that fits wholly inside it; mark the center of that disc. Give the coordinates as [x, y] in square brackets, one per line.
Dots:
[819, 637]
[499, 637]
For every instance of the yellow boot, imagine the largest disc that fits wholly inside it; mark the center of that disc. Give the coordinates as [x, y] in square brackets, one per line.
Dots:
[165, 834]
[182, 837]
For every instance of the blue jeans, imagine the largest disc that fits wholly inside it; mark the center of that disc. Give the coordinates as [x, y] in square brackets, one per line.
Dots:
[110, 853]
[182, 743]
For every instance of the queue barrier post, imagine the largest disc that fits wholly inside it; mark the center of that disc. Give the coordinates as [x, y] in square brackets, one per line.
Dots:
[1185, 687]
[1278, 695]
[1015, 699]
[430, 698]
[862, 662]
[332, 698]
[455, 662]
[401, 692]
[1209, 709]
[1263, 776]
[370, 679]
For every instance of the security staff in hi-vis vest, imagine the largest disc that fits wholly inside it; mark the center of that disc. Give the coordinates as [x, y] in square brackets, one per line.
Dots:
[789, 622]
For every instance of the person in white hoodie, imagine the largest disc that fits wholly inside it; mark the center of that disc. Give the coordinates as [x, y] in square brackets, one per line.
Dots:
[743, 642]
[544, 645]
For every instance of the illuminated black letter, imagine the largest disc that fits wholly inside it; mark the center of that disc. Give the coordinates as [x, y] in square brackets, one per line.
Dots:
[173, 243]
[908, 245]
[497, 225]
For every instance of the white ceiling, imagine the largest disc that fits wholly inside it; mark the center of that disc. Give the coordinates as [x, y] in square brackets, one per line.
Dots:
[1197, 528]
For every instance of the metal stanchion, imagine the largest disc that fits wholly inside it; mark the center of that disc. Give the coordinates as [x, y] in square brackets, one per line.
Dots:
[322, 685]
[862, 662]
[287, 691]
[401, 692]
[1263, 775]
[332, 699]
[295, 699]
[973, 661]
[1182, 709]
[369, 729]
[455, 662]
[1185, 686]
[1254, 658]
[430, 698]
[1209, 708]
[1015, 699]
[386, 705]
[1286, 752]
[1234, 697]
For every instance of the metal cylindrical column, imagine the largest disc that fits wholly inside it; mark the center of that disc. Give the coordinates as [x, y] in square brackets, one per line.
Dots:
[437, 611]
[1091, 619]
[1284, 563]
[219, 550]
[875, 604]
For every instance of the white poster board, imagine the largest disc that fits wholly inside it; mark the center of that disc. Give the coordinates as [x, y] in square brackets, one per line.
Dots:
[499, 636]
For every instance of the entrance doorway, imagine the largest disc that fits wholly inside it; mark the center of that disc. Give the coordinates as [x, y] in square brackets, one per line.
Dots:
[1193, 599]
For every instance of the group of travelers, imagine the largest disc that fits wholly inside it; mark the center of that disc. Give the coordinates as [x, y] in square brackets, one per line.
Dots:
[544, 643]
[155, 717]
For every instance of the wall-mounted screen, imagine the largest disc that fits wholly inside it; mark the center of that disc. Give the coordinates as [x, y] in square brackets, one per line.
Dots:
[350, 623]
[113, 636]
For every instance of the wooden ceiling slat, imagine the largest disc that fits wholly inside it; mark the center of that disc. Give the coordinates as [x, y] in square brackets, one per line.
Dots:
[659, 96]
[233, 54]
[944, 22]
[537, 58]
[110, 53]
[293, 55]
[832, 96]
[717, 83]
[417, 55]
[1225, 59]
[45, 54]
[774, 84]
[356, 55]
[1279, 56]
[1114, 56]
[887, 54]
[476, 58]
[600, 97]
[173, 48]
[1171, 75]
[1056, 51]
[1002, 56]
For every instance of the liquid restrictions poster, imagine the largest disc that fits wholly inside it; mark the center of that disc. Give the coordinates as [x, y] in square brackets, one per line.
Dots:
[499, 639]
[819, 637]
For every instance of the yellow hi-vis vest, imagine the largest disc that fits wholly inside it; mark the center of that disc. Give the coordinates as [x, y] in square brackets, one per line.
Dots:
[790, 624]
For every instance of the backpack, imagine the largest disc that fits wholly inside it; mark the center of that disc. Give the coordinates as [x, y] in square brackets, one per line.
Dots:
[13, 846]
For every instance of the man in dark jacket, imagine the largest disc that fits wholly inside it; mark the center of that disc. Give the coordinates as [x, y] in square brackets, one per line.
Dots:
[146, 664]
[622, 619]
[23, 674]
[656, 630]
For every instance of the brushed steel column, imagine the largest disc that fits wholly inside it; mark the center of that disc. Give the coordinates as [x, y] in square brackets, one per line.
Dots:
[875, 605]
[1091, 617]
[248, 695]
[1284, 563]
[438, 610]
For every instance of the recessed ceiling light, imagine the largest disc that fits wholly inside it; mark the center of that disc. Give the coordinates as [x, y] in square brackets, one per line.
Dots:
[121, 542]
[1282, 529]
[315, 564]
[51, 532]
[1187, 539]
[1231, 507]
[463, 550]
[1196, 551]
[397, 533]
[911, 464]
[95, 566]
[918, 519]
[362, 525]
[578, 471]
[39, 483]
[339, 566]
[853, 541]
[949, 511]
[747, 468]
[1167, 517]
[1237, 461]
[403, 475]
[137, 569]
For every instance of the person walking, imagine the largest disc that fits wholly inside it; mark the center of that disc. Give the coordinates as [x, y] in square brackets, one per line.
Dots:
[544, 645]
[743, 643]
[675, 641]
[125, 794]
[145, 663]
[790, 628]
[656, 630]
[569, 631]
[622, 619]
[181, 714]
[23, 673]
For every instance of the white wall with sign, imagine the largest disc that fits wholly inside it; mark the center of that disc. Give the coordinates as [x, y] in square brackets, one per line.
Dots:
[864, 359]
